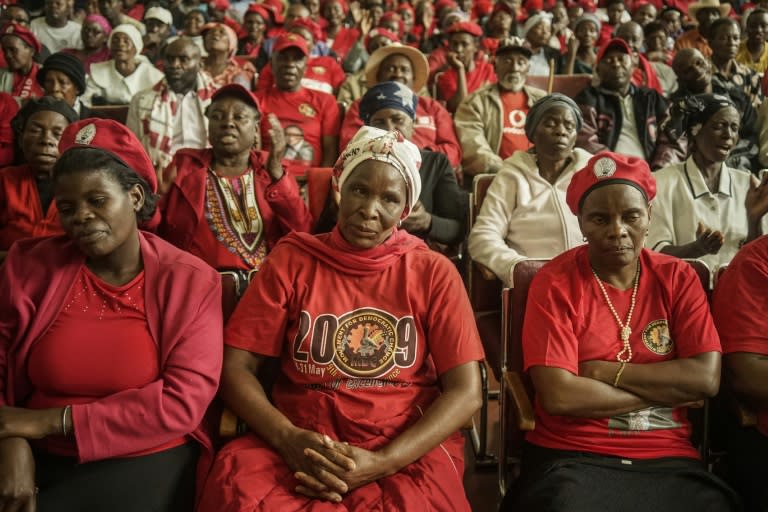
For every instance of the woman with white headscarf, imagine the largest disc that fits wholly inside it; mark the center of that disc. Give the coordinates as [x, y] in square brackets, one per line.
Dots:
[378, 353]
[114, 82]
[537, 32]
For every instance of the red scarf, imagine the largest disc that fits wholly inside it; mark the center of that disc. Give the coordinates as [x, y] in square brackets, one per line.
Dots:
[331, 248]
[26, 86]
[645, 76]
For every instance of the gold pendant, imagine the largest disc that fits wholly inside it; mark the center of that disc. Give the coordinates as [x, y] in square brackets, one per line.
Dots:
[625, 332]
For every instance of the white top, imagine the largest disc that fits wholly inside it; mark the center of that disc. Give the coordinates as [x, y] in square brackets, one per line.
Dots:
[683, 200]
[105, 81]
[57, 38]
[189, 127]
[629, 140]
[524, 216]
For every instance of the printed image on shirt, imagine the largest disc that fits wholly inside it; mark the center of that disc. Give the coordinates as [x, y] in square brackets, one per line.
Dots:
[296, 148]
[363, 343]
[657, 339]
[652, 418]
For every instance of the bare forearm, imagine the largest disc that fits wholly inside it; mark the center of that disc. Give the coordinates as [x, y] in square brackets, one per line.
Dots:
[691, 250]
[245, 396]
[589, 398]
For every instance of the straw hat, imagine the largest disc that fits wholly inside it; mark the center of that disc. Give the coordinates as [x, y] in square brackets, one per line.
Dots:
[418, 61]
[708, 4]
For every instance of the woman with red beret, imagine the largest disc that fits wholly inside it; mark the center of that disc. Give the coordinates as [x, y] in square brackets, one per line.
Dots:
[618, 341]
[20, 46]
[110, 344]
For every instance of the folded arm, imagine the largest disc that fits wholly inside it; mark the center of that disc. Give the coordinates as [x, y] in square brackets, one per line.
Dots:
[747, 375]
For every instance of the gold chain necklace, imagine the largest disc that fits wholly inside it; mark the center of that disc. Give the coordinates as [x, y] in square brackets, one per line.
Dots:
[625, 330]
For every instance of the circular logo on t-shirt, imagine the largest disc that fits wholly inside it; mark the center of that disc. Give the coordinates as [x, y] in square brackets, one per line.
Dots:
[365, 342]
[657, 339]
[306, 109]
[516, 119]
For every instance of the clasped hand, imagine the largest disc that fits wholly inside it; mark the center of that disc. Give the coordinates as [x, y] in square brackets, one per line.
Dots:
[328, 469]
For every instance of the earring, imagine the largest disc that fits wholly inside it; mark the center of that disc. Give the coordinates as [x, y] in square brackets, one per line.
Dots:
[400, 223]
[584, 238]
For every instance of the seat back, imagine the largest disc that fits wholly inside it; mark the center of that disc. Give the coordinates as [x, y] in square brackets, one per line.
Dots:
[570, 85]
[117, 113]
[484, 293]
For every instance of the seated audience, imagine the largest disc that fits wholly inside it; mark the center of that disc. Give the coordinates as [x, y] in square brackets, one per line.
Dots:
[694, 76]
[388, 387]
[55, 30]
[194, 21]
[643, 13]
[742, 327]
[537, 31]
[620, 117]
[94, 33]
[20, 46]
[433, 127]
[582, 52]
[171, 114]
[705, 209]
[615, 11]
[111, 348]
[229, 204]
[753, 51]
[724, 37]
[490, 122]
[220, 46]
[256, 21]
[159, 23]
[63, 77]
[112, 10]
[467, 70]
[116, 81]
[613, 380]
[441, 211]
[705, 12]
[27, 208]
[340, 38]
[354, 85]
[653, 75]
[9, 107]
[316, 112]
[524, 214]
[656, 49]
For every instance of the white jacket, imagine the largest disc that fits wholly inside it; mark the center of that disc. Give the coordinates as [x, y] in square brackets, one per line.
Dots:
[106, 82]
[524, 216]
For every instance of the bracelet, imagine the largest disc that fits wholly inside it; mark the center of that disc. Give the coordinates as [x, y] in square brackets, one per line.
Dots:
[64, 420]
[618, 374]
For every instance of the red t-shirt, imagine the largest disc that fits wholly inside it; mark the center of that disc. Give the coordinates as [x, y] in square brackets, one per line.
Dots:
[448, 82]
[743, 323]
[568, 321]
[322, 74]
[515, 110]
[315, 113]
[99, 345]
[365, 346]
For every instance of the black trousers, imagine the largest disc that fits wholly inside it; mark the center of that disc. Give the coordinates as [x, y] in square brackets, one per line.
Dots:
[748, 465]
[159, 482]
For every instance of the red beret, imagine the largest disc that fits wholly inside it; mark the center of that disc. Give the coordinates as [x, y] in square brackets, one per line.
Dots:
[614, 43]
[114, 138]
[26, 35]
[311, 26]
[291, 41]
[266, 13]
[465, 26]
[608, 168]
[378, 31]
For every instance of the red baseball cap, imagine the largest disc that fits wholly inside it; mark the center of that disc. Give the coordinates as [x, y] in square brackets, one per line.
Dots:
[614, 43]
[26, 35]
[291, 41]
[239, 92]
[609, 168]
[114, 138]
[465, 26]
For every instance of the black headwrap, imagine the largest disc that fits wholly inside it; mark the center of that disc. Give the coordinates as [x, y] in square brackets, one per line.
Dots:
[36, 105]
[688, 114]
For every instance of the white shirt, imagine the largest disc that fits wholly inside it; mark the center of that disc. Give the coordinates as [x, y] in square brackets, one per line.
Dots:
[189, 130]
[57, 38]
[106, 82]
[525, 216]
[683, 200]
[629, 140]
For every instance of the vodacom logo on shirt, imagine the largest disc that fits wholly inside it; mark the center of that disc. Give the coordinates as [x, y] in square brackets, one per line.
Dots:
[515, 122]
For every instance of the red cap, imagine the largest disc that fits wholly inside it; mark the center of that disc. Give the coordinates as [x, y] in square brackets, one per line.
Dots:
[114, 138]
[608, 168]
[313, 27]
[442, 4]
[614, 43]
[502, 7]
[291, 41]
[277, 7]
[238, 91]
[465, 26]
[378, 31]
[266, 13]
[26, 35]
[220, 5]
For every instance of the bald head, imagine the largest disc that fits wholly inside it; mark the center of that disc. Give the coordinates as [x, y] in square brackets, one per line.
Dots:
[182, 64]
[632, 33]
[693, 70]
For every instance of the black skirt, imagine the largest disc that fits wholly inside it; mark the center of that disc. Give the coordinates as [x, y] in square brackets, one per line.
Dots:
[558, 480]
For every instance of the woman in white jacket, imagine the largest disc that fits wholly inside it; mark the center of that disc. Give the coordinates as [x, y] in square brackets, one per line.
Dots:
[524, 214]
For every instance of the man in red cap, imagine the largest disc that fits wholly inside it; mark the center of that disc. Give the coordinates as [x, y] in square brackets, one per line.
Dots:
[317, 113]
[20, 47]
[467, 72]
[619, 116]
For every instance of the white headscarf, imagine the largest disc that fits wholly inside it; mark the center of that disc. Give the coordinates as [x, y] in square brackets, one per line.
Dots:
[371, 143]
[535, 20]
[132, 32]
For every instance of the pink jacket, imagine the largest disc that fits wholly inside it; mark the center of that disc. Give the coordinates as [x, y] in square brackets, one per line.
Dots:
[183, 307]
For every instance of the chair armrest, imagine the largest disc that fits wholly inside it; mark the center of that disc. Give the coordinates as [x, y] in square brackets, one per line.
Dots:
[230, 425]
[518, 398]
